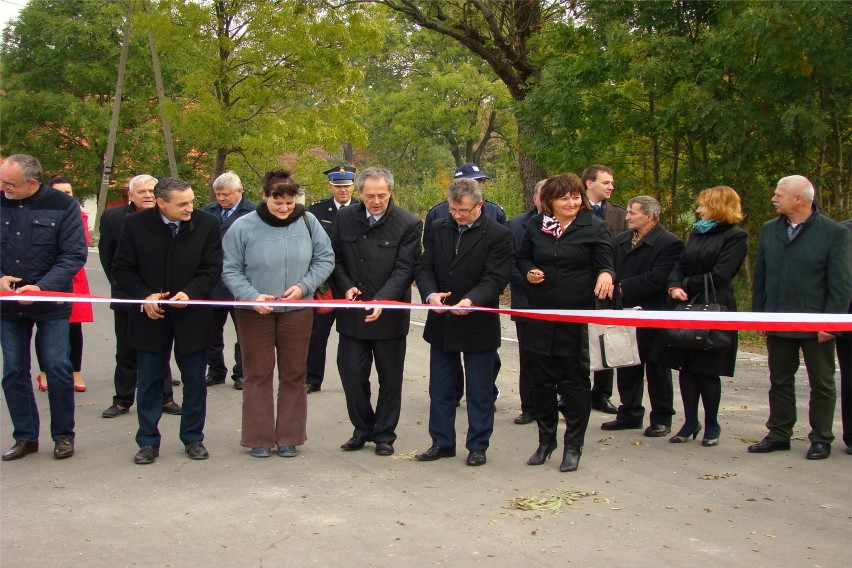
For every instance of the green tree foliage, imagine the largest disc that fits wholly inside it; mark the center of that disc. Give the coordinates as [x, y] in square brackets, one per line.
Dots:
[678, 96]
[59, 64]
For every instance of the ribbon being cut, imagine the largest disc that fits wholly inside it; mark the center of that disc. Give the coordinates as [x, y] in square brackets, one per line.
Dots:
[753, 321]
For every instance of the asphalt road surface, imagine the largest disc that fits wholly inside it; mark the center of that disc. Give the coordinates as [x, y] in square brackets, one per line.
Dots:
[649, 502]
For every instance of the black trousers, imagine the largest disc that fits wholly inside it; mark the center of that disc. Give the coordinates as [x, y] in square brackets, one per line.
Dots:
[216, 367]
[354, 362]
[631, 388]
[844, 357]
[569, 377]
[317, 347]
[524, 380]
[125, 366]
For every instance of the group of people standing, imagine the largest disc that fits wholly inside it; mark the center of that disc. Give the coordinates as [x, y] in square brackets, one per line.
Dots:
[562, 254]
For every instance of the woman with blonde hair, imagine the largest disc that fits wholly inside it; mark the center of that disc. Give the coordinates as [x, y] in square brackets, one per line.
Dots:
[716, 248]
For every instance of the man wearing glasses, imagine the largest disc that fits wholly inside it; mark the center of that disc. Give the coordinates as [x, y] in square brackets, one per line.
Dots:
[42, 247]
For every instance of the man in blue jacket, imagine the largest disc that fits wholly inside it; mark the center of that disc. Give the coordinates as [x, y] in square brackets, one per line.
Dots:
[804, 265]
[42, 246]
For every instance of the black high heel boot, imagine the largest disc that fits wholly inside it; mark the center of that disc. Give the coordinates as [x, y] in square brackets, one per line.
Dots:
[542, 453]
[570, 459]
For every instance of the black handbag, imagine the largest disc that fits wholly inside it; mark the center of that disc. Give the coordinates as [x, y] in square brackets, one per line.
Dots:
[699, 339]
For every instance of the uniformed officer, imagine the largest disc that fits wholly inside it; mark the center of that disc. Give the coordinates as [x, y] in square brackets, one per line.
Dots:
[341, 180]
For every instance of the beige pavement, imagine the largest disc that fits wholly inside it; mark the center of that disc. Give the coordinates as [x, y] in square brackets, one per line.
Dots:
[333, 508]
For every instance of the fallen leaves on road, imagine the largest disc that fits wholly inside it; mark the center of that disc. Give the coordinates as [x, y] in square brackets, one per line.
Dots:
[716, 476]
[409, 456]
[550, 501]
[746, 440]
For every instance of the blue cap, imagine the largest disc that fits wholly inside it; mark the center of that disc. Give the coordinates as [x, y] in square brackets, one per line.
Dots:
[341, 175]
[470, 170]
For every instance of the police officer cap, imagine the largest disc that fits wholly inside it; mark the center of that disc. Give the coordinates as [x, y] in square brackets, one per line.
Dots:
[470, 170]
[341, 175]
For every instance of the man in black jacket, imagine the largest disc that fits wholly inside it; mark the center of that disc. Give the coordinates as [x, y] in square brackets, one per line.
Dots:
[599, 185]
[42, 246]
[518, 285]
[170, 252]
[140, 192]
[229, 206]
[341, 182]
[376, 246]
[844, 358]
[644, 257]
[804, 265]
[466, 262]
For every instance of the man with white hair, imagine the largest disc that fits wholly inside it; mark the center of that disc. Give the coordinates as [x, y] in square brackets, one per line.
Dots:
[140, 193]
[804, 265]
[229, 206]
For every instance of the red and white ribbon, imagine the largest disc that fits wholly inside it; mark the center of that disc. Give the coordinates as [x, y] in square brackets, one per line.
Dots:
[756, 321]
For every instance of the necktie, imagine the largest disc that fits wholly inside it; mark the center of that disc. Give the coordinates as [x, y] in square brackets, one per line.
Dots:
[598, 209]
[373, 220]
[226, 213]
[173, 228]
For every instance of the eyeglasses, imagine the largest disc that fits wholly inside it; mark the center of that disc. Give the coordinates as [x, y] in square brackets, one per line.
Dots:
[10, 185]
[454, 211]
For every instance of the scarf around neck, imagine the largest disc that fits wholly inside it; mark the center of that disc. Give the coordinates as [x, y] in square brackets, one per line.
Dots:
[267, 217]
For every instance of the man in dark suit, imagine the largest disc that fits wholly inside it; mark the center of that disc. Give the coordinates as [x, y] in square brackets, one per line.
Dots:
[804, 265]
[844, 357]
[170, 252]
[140, 192]
[341, 181]
[599, 184]
[466, 262]
[229, 206]
[644, 257]
[518, 285]
[376, 246]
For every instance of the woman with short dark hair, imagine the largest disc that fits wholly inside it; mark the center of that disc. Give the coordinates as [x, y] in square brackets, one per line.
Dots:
[278, 252]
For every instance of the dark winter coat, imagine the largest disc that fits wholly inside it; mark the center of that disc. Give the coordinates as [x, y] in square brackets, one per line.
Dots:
[42, 241]
[378, 260]
[479, 271]
[571, 266]
[811, 274]
[720, 253]
[149, 260]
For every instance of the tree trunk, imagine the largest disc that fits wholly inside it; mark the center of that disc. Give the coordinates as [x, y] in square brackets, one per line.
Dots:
[531, 171]
[673, 186]
[218, 169]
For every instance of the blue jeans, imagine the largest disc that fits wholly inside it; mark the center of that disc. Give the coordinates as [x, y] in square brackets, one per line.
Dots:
[444, 368]
[152, 365]
[15, 337]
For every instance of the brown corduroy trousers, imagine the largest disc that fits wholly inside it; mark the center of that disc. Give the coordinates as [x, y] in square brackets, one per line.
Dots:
[280, 337]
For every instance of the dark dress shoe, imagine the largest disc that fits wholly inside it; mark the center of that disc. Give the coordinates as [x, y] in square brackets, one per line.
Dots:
[113, 411]
[603, 404]
[476, 458]
[172, 408]
[525, 417]
[196, 451]
[570, 459]
[619, 424]
[849, 450]
[767, 445]
[309, 388]
[238, 383]
[384, 449]
[435, 453]
[22, 448]
[657, 430]
[819, 451]
[542, 453]
[353, 443]
[212, 381]
[146, 455]
[63, 448]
